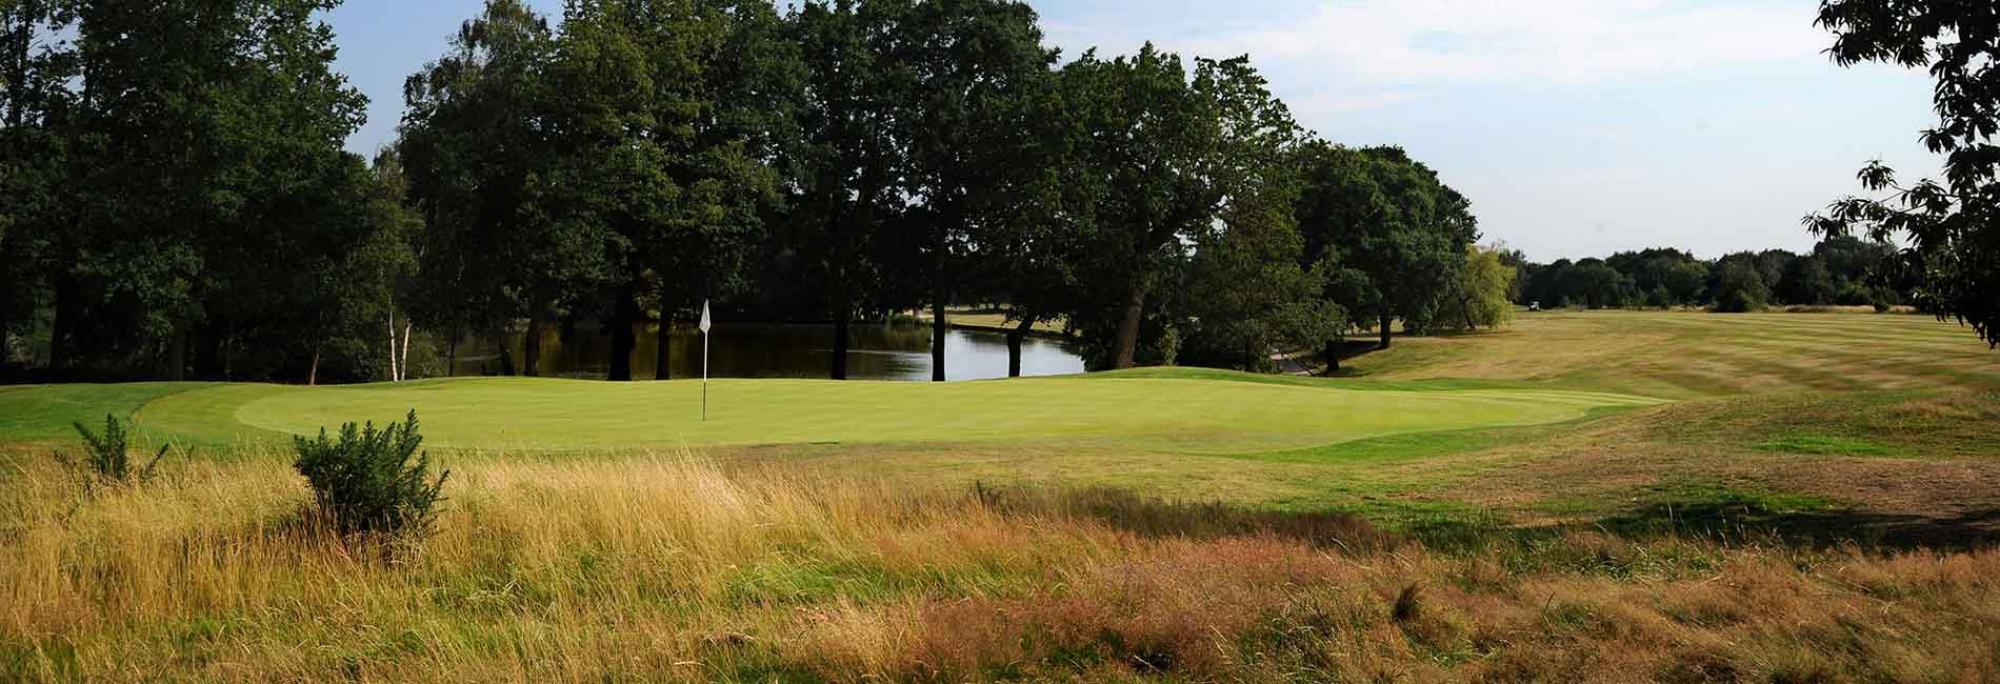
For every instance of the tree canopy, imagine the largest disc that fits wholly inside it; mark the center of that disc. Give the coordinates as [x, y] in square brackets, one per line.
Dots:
[177, 200]
[1951, 228]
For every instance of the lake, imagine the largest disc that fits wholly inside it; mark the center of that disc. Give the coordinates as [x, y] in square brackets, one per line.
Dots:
[777, 350]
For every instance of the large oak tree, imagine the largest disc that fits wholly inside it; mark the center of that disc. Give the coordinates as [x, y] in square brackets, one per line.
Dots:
[1159, 151]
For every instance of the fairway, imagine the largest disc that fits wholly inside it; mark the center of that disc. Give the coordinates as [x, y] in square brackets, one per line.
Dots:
[1223, 415]
[1693, 355]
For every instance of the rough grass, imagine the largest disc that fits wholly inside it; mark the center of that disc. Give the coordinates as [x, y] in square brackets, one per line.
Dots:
[669, 568]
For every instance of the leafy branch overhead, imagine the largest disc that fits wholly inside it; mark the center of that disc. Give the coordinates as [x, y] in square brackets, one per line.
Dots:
[1950, 230]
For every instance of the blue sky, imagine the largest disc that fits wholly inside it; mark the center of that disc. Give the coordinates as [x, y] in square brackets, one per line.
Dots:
[1577, 127]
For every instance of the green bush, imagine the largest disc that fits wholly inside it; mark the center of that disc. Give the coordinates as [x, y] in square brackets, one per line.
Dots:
[367, 481]
[105, 455]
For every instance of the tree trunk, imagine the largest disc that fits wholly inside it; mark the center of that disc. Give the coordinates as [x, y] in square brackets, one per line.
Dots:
[177, 354]
[624, 314]
[940, 327]
[1014, 339]
[843, 314]
[394, 374]
[1332, 356]
[6, 298]
[222, 350]
[663, 339]
[531, 346]
[208, 362]
[403, 367]
[940, 293]
[312, 372]
[1386, 321]
[843, 340]
[62, 335]
[451, 356]
[505, 352]
[1125, 349]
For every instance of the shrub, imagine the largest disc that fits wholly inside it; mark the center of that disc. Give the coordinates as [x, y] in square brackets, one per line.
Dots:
[105, 454]
[367, 482]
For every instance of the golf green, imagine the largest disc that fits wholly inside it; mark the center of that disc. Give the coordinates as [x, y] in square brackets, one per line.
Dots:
[1188, 414]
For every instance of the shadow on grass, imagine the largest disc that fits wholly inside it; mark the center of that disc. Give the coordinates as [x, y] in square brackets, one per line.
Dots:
[1156, 518]
[1722, 516]
[1743, 521]
[1349, 350]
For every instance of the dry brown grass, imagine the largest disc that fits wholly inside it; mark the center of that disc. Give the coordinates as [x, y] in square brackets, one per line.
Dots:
[672, 568]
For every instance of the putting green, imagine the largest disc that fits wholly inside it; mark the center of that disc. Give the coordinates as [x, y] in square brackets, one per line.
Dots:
[1198, 415]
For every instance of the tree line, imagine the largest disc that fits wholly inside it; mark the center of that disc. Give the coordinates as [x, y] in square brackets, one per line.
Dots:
[178, 202]
[1842, 270]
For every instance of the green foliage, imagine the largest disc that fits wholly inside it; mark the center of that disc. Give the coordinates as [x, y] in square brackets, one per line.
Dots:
[1659, 298]
[250, 167]
[1663, 277]
[34, 74]
[1739, 288]
[1589, 283]
[1806, 281]
[1840, 270]
[366, 481]
[664, 116]
[106, 454]
[963, 73]
[484, 173]
[1481, 297]
[1248, 295]
[1953, 227]
[1390, 234]
[838, 159]
[1157, 152]
[844, 197]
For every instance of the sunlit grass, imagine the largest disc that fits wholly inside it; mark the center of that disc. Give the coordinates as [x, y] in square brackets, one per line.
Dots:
[667, 567]
[1197, 413]
[1688, 354]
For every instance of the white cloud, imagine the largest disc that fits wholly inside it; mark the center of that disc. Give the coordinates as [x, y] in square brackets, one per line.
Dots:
[1398, 42]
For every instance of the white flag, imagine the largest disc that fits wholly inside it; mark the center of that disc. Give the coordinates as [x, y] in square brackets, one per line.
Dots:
[704, 316]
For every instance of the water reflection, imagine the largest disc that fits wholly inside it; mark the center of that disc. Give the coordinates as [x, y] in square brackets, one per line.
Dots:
[772, 350]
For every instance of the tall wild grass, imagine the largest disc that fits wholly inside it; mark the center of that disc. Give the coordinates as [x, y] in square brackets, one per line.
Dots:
[668, 567]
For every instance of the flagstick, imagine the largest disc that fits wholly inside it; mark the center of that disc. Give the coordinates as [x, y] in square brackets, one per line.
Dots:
[705, 325]
[704, 376]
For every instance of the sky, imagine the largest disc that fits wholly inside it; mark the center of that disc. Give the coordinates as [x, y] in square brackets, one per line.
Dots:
[1577, 127]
